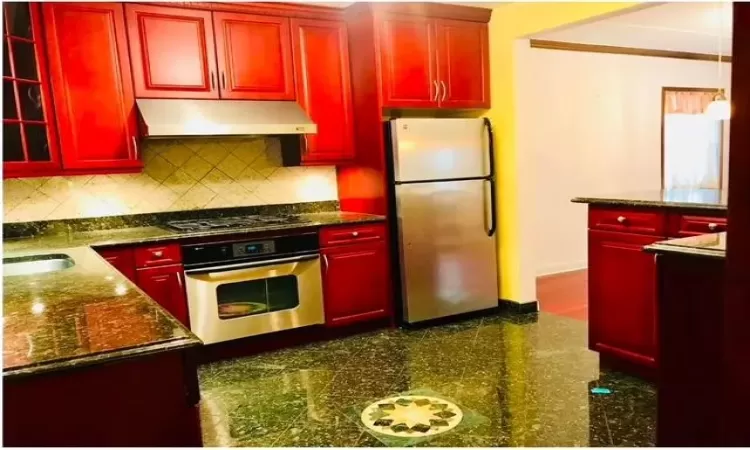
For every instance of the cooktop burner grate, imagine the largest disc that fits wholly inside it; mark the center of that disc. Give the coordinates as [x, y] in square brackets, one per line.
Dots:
[233, 222]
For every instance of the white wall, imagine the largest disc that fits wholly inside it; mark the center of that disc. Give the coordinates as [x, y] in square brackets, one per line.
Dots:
[588, 124]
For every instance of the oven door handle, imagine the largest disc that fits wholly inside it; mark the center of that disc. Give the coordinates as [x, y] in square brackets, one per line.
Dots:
[250, 265]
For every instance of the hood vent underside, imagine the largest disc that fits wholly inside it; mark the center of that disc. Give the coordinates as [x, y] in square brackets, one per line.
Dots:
[178, 117]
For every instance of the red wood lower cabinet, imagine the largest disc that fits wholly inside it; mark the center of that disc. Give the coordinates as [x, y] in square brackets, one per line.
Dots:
[166, 286]
[356, 285]
[622, 296]
[141, 402]
[121, 258]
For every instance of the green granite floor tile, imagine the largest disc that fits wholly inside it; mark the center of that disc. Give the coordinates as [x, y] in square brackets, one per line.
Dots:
[529, 377]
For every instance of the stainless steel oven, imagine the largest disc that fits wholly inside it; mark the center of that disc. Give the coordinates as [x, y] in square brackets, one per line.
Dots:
[245, 288]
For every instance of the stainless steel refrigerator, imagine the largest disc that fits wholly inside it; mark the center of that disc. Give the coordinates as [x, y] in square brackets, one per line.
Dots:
[443, 188]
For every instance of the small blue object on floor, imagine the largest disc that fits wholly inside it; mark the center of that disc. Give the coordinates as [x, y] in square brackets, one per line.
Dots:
[601, 390]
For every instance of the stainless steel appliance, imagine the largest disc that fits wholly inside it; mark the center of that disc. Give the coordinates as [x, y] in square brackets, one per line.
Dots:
[178, 117]
[443, 182]
[244, 288]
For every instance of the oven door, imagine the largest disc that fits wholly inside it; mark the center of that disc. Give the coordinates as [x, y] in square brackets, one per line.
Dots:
[239, 300]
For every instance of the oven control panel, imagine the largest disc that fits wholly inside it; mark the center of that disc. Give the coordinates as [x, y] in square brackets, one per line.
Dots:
[243, 249]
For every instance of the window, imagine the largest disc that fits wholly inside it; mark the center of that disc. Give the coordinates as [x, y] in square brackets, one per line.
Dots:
[691, 141]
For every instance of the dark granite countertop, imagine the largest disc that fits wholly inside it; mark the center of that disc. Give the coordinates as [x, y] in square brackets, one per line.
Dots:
[90, 313]
[83, 315]
[710, 199]
[148, 234]
[711, 245]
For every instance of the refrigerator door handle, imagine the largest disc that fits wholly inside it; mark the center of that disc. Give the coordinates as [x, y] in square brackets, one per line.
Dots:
[492, 208]
[491, 177]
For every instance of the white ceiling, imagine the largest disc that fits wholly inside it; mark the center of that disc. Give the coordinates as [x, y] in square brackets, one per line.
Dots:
[687, 27]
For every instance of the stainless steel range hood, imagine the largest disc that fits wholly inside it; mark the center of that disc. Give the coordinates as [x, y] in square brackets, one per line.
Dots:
[177, 117]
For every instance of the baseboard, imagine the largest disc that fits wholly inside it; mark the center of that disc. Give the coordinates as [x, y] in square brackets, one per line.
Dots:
[519, 308]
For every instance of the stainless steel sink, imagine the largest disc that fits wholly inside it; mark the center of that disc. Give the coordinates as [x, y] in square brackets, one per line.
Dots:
[36, 264]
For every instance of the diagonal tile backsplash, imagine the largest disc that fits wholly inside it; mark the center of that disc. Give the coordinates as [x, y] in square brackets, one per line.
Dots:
[178, 175]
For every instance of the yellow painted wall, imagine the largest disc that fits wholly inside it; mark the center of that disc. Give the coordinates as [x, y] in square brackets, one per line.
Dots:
[510, 22]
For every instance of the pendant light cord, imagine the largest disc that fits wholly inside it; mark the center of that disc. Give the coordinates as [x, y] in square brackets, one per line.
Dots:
[720, 35]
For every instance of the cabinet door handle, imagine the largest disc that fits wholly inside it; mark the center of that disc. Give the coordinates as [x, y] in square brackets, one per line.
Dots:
[213, 81]
[713, 226]
[325, 263]
[437, 90]
[306, 145]
[445, 91]
[179, 281]
[621, 219]
[223, 81]
[135, 146]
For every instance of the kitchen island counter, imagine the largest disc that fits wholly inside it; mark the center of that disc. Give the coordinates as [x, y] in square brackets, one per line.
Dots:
[706, 199]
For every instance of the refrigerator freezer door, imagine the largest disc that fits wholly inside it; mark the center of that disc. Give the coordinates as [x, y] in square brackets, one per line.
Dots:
[439, 149]
[448, 262]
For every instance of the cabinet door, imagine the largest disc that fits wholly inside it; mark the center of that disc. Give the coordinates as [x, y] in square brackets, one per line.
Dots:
[29, 132]
[356, 285]
[622, 296]
[92, 85]
[321, 56]
[122, 259]
[172, 52]
[165, 285]
[255, 56]
[408, 62]
[463, 64]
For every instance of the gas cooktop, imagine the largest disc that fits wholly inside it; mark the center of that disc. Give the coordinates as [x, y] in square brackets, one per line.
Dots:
[233, 222]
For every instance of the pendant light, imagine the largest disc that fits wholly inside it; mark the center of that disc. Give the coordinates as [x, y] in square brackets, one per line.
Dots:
[719, 108]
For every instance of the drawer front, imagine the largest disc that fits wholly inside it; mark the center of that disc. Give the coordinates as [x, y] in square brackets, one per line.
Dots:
[628, 221]
[345, 235]
[682, 225]
[157, 255]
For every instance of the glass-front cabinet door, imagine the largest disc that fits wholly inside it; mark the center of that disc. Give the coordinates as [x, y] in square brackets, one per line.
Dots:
[29, 138]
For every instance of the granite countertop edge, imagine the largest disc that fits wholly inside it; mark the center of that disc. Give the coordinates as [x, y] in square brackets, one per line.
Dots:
[648, 203]
[103, 357]
[689, 251]
[36, 244]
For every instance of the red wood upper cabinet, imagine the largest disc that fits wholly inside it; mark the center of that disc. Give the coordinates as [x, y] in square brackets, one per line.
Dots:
[172, 52]
[622, 296]
[463, 64]
[321, 56]
[408, 61]
[165, 285]
[255, 56]
[92, 85]
[29, 134]
[356, 284]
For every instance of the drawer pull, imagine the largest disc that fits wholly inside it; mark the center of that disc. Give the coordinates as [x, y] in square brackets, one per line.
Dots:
[713, 226]
[158, 253]
[355, 233]
[621, 219]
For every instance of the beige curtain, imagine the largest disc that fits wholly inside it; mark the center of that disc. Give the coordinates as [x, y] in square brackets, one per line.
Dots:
[687, 102]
